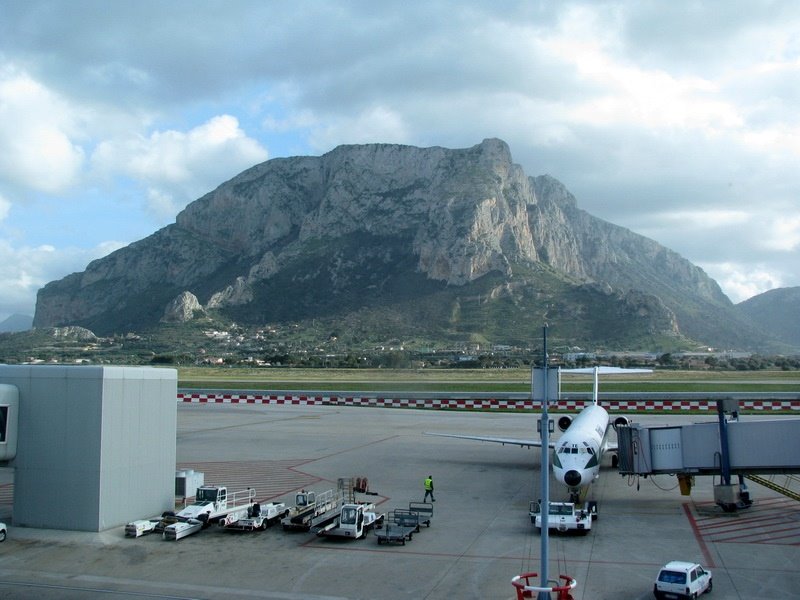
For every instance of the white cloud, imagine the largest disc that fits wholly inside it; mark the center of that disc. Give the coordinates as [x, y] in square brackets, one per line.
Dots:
[785, 234]
[5, 206]
[677, 120]
[37, 128]
[177, 167]
[741, 282]
[617, 91]
[376, 124]
[704, 219]
[24, 270]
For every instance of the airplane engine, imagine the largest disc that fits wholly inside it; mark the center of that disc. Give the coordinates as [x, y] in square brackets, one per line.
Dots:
[564, 422]
[621, 422]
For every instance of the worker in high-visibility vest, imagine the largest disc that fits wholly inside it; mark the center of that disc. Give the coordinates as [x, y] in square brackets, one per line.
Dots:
[429, 489]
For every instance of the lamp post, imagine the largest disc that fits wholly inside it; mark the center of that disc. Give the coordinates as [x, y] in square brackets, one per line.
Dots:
[545, 506]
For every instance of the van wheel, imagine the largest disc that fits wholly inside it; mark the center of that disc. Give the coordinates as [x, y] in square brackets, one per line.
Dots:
[2, 536]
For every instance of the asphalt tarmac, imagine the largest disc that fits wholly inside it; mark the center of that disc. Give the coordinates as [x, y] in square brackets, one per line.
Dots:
[480, 536]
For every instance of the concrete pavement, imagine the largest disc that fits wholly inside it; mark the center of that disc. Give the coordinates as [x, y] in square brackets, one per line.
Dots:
[480, 536]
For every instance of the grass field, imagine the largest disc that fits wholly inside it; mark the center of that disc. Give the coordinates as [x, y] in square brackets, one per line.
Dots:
[478, 380]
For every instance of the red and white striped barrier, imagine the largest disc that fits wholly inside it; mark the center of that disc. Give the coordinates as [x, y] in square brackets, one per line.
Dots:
[476, 403]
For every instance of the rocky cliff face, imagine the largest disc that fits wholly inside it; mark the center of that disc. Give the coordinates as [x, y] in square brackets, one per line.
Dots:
[293, 236]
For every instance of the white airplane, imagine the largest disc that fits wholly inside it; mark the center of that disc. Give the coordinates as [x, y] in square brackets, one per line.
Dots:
[577, 454]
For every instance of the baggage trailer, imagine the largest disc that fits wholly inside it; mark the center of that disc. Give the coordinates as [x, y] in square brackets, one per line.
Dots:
[424, 510]
[141, 527]
[312, 510]
[399, 527]
[258, 518]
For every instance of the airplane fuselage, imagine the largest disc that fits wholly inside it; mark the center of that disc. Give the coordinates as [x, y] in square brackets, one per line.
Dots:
[578, 452]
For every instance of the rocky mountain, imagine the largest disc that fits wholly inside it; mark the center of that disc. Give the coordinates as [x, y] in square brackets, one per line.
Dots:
[16, 322]
[776, 312]
[384, 239]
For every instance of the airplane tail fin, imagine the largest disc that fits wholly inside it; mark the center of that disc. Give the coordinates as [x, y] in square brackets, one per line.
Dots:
[595, 371]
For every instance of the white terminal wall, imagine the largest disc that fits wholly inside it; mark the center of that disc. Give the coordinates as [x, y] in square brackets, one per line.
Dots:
[96, 445]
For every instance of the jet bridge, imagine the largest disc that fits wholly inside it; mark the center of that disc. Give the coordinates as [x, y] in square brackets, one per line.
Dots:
[727, 447]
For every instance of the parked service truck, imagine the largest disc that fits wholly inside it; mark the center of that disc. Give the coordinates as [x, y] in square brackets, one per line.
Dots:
[353, 521]
[564, 516]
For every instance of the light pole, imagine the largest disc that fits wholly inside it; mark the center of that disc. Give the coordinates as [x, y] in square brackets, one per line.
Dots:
[545, 505]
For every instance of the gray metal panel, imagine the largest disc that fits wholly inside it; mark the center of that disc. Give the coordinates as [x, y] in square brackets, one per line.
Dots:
[701, 447]
[754, 444]
[138, 452]
[96, 445]
[666, 449]
[764, 446]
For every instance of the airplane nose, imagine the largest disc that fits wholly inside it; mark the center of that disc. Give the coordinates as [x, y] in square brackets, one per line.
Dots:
[572, 478]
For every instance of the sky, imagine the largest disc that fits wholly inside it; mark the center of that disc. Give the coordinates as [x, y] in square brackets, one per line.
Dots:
[678, 120]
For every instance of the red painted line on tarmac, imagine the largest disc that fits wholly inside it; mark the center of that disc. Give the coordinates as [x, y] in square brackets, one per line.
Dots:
[770, 538]
[391, 549]
[743, 524]
[708, 559]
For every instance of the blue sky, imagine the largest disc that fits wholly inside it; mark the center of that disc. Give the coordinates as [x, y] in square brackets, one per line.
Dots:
[678, 120]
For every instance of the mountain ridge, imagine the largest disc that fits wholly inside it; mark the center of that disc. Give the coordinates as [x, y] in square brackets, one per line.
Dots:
[777, 312]
[302, 237]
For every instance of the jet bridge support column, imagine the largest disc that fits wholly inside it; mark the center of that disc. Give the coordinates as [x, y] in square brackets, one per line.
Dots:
[729, 496]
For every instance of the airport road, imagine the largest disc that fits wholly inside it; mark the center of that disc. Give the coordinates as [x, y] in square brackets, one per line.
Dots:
[479, 539]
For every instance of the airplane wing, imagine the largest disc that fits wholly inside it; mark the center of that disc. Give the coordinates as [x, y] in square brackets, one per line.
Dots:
[483, 438]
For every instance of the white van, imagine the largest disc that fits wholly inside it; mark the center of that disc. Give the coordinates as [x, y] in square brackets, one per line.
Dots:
[678, 579]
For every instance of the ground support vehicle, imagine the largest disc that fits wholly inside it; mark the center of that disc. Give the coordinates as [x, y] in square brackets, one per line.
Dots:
[142, 527]
[212, 503]
[401, 525]
[565, 516]
[259, 517]
[424, 510]
[353, 521]
[312, 510]
[680, 579]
